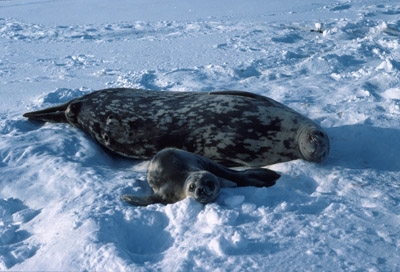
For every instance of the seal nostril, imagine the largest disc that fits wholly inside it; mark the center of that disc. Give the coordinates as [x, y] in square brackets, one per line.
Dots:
[200, 191]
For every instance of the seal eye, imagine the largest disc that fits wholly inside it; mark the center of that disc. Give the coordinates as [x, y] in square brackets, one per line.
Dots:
[191, 187]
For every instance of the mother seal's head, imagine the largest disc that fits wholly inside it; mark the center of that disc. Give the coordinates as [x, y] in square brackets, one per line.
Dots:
[313, 143]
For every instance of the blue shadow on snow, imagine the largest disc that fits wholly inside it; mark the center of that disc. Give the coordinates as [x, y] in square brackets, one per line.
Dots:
[363, 146]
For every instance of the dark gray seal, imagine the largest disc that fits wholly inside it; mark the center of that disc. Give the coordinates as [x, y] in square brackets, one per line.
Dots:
[231, 127]
[175, 174]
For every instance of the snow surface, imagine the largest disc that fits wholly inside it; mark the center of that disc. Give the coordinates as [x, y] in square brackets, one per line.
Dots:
[59, 191]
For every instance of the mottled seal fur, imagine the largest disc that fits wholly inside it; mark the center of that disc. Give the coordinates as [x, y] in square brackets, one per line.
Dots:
[231, 127]
[175, 174]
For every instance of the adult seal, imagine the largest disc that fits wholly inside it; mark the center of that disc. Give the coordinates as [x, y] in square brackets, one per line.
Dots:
[175, 174]
[233, 128]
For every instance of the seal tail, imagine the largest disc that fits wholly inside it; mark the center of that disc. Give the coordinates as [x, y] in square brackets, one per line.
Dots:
[54, 114]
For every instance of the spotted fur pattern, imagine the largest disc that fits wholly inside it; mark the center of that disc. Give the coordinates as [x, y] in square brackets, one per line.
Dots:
[233, 128]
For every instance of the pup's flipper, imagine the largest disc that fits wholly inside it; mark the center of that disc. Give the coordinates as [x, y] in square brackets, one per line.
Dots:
[258, 177]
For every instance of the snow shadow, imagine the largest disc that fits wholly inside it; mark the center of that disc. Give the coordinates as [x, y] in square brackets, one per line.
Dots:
[362, 146]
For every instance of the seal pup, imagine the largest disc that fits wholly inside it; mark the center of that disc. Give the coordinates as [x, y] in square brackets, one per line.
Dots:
[233, 128]
[175, 174]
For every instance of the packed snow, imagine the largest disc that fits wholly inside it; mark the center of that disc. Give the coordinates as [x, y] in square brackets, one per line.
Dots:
[337, 62]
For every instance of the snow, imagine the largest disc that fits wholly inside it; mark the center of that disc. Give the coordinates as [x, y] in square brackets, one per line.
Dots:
[59, 191]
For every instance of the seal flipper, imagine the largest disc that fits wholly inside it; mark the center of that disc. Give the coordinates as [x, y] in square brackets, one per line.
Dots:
[54, 114]
[258, 177]
[142, 200]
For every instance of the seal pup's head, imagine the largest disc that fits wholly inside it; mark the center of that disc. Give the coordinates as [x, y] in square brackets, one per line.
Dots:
[204, 186]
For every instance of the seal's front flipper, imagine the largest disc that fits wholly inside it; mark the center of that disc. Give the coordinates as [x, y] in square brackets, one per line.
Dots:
[141, 200]
[259, 177]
